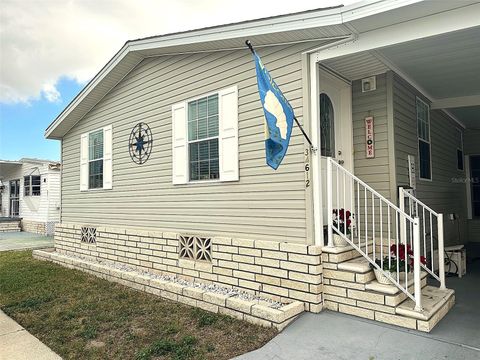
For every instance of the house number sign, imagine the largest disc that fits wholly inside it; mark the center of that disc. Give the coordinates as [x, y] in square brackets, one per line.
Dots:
[369, 137]
[307, 168]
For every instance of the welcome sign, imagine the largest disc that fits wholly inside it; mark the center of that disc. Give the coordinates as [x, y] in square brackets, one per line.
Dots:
[369, 137]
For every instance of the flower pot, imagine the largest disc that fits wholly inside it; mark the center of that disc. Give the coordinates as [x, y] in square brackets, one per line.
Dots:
[381, 278]
[339, 241]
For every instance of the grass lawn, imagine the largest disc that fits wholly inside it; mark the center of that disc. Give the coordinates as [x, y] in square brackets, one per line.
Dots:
[80, 316]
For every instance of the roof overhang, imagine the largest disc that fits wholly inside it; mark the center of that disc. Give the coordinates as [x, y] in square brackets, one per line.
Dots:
[438, 56]
[331, 23]
[7, 166]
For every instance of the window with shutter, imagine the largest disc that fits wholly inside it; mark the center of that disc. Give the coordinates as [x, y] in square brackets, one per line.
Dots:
[205, 138]
[96, 159]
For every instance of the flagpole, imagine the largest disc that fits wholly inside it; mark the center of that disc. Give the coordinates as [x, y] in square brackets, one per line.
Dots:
[250, 46]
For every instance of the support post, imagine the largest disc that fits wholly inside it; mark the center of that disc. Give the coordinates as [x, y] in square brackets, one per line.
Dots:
[441, 252]
[329, 202]
[416, 264]
[403, 220]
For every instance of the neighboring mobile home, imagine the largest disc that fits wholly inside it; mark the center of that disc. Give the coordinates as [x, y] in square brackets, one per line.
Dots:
[29, 195]
[164, 161]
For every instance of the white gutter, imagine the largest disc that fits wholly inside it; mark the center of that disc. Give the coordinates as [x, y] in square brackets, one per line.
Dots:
[336, 16]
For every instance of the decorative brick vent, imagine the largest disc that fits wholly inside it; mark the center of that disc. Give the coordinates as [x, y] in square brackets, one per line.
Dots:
[89, 235]
[195, 248]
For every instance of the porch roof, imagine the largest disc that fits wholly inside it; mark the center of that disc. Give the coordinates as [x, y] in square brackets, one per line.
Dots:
[444, 66]
[330, 23]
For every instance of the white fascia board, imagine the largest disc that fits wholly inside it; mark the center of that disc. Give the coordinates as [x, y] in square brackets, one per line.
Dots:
[456, 102]
[437, 24]
[86, 90]
[336, 16]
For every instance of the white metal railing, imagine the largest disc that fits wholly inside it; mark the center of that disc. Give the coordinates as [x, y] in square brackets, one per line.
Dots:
[431, 223]
[374, 229]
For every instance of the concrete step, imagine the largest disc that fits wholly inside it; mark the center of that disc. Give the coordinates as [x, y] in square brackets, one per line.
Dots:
[339, 254]
[357, 265]
[433, 299]
[390, 288]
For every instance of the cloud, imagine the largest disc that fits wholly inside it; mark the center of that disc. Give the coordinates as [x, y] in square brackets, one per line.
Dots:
[42, 41]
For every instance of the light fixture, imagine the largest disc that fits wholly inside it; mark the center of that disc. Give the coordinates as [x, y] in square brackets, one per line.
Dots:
[369, 84]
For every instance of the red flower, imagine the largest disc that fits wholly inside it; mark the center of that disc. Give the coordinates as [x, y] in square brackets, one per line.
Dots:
[423, 260]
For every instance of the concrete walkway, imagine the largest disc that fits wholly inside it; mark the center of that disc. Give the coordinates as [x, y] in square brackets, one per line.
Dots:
[335, 336]
[331, 335]
[16, 343]
[24, 240]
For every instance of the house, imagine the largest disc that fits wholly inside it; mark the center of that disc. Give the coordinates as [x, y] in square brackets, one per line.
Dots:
[164, 162]
[29, 195]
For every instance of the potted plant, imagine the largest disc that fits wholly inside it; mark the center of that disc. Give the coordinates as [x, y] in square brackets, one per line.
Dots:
[342, 226]
[404, 259]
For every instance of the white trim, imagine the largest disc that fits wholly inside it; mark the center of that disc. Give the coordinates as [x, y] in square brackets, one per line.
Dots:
[304, 20]
[344, 118]
[87, 134]
[316, 156]
[456, 102]
[431, 25]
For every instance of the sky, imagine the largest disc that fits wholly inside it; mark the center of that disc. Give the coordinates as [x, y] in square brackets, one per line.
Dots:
[50, 49]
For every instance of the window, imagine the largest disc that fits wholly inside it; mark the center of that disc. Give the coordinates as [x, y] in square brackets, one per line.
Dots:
[424, 146]
[460, 150]
[327, 132]
[95, 159]
[203, 138]
[31, 185]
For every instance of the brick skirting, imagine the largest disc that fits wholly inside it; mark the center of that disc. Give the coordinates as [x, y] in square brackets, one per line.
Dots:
[284, 272]
[252, 311]
[36, 227]
[9, 225]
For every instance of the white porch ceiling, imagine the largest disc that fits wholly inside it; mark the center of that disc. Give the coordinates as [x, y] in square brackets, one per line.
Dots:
[445, 68]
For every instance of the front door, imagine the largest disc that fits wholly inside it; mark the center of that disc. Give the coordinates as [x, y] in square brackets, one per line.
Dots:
[14, 198]
[334, 126]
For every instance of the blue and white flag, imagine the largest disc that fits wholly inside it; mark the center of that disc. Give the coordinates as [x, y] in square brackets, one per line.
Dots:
[278, 116]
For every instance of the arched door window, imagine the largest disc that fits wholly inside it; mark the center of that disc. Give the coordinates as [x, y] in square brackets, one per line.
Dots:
[327, 130]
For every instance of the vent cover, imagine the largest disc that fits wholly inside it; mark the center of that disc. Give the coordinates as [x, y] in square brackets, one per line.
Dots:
[195, 248]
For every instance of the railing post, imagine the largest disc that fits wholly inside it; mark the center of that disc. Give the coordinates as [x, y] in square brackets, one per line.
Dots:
[403, 220]
[416, 264]
[441, 252]
[329, 201]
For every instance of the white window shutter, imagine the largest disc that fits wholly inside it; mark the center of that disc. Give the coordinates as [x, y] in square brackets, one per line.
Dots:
[179, 144]
[228, 134]
[84, 162]
[107, 157]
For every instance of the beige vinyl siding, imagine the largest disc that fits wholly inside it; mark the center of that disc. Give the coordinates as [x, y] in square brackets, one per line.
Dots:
[444, 194]
[374, 171]
[264, 204]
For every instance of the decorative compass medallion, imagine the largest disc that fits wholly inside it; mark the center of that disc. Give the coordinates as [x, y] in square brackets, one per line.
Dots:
[140, 143]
